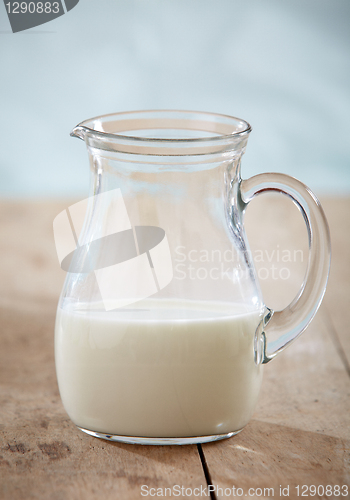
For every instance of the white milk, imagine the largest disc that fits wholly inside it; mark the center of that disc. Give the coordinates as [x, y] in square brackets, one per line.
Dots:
[187, 372]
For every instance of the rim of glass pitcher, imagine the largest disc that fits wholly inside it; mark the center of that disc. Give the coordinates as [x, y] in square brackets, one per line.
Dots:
[238, 133]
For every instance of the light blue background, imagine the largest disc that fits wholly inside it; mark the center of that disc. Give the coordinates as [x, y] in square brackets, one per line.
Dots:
[283, 65]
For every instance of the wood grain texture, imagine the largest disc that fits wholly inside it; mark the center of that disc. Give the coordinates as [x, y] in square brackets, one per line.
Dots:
[273, 456]
[306, 386]
[43, 455]
[299, 432]
[276, 230]
[337, 297]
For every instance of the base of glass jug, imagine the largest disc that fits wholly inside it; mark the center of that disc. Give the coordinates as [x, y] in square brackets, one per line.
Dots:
[159, 441]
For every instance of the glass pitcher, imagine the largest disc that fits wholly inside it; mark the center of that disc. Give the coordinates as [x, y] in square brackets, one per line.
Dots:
[161, 328]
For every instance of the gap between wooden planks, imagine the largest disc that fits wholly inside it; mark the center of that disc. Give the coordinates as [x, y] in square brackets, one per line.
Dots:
[300, 431]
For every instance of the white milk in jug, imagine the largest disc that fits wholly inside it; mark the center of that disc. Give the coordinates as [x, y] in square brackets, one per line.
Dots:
[171, 370]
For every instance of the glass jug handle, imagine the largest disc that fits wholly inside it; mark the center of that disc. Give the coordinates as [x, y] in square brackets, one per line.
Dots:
[282, 327]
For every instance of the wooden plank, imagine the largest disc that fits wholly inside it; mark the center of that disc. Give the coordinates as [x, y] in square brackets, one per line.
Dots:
[279, 246]
[338, 292]
[42, 454]
[276, 231]
[29, 268]
[271, 456]
[304, 398]
[300, 430]
[306, 386]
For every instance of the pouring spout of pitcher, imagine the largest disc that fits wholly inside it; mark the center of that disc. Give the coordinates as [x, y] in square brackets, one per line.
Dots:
[79, 131]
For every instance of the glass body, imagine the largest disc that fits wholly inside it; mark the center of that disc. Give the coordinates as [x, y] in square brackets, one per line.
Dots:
[161, 329]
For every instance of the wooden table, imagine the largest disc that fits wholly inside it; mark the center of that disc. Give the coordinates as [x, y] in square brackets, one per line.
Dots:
[299, 434]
